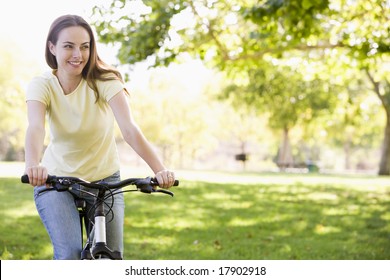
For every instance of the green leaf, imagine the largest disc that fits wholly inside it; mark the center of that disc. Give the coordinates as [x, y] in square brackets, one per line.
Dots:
[307, 4]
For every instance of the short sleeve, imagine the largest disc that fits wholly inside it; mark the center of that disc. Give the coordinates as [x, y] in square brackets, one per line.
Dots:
[38, 90]
[108, 89]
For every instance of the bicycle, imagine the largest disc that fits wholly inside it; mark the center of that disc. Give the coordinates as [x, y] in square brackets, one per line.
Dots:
[95, 246]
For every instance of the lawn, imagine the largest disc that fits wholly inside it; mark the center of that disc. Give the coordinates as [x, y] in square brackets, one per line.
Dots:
[231, 216]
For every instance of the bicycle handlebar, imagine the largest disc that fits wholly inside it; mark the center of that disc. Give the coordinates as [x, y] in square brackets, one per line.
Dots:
[145, 185]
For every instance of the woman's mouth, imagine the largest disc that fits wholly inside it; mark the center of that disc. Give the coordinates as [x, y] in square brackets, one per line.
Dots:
[75, 63]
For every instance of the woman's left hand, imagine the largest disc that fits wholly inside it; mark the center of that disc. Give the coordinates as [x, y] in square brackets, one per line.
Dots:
[165, 178]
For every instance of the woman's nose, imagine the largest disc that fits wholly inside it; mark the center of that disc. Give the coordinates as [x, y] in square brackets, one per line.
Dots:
[76, 52]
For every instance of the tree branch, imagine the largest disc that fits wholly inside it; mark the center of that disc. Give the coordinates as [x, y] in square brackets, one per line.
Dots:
[376, 89]
[260, 54]
[212, 33]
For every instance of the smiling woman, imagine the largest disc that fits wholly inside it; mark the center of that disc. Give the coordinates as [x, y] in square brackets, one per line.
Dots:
[82, 97]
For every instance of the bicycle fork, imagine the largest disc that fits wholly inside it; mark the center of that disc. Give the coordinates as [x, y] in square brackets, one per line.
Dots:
[99, 249]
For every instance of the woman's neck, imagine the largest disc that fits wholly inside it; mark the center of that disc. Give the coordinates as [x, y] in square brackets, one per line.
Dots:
[68, 83]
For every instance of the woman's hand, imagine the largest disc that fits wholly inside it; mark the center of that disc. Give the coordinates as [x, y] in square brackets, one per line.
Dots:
[37, 175]
[165, 178]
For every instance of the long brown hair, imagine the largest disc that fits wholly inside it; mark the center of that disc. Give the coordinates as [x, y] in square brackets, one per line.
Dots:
[95, 69]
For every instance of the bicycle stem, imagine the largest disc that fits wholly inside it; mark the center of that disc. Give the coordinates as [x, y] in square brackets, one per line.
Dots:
[100, 219]
[101, 247]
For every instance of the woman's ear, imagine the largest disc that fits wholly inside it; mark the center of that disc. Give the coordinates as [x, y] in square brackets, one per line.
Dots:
[51, 47]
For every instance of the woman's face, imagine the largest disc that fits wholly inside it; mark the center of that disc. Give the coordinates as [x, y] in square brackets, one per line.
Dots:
[71, 50]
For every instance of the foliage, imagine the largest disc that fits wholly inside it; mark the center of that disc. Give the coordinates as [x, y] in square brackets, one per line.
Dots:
[141, 34]
[238, 36]
[286, 21]
[286, 94]
[12, 107]
[252, 28]
[231, 216]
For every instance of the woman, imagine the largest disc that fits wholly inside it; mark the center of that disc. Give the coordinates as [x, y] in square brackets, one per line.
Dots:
[82, 97]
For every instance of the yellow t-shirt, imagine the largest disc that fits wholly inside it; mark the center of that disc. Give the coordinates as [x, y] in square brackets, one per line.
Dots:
[82, 142]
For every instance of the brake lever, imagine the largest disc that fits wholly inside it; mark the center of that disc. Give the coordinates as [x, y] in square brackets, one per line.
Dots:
[149, 189]
[165, 192]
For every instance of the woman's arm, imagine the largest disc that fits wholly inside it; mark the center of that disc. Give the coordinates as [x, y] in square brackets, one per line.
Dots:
[35, 135]
[136, 139]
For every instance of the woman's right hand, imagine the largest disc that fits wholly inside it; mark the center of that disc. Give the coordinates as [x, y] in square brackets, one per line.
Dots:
[37, 175]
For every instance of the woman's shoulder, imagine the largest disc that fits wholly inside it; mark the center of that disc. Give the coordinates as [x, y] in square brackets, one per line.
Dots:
[108, 81]
[44, 78]
[109, 87]
[41, 87]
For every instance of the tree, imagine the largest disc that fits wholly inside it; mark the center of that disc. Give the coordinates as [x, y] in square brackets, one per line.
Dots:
[289, 97]
[236, 35]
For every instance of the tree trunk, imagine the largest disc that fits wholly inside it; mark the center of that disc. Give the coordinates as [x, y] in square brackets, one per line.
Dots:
[384, 165]
[285, 156]
[347, 152]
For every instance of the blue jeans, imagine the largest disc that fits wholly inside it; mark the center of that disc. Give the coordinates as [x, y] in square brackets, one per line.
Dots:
[61, 219]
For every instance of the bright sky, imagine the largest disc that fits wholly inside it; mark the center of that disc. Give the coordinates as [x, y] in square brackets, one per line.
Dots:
[27, 22]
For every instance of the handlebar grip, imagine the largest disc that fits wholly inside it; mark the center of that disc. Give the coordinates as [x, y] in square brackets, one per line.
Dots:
[26, 180]
[154, 182]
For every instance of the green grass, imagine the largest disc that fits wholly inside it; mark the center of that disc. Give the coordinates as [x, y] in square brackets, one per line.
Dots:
[238, 216]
